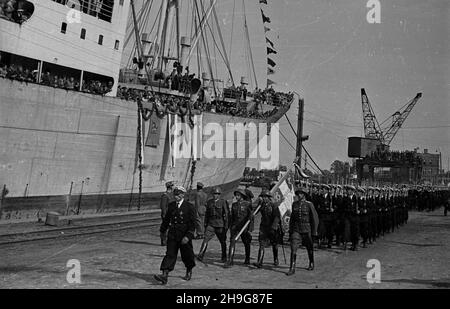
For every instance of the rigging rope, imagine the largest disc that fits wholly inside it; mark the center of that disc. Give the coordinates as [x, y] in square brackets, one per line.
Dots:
[232, 26]
[204, 35]
[249, 45]
[303, 147]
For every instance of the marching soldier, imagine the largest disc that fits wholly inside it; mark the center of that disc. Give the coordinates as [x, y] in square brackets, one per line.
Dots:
[351, 220]
[385, 211]
[379, 202]
[166, 199]
[338, 203]
[198, 198]
[325, 211]
[318, 200]
[216, 222]
[372, 215]
[179, 221]
[269, 229]
[354, 218]
[241, 212]
[363, 217]
[302, 226]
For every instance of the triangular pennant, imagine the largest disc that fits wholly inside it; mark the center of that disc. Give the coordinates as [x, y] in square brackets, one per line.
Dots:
[264, 17]
[270, 71]
[271, 62]
[270, 82]
[271, 51]
[263, 1]
[266, 29]
[270, 42]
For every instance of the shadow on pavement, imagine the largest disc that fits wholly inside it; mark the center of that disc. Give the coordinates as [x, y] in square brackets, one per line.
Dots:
[23, 268]
[442, 283]
[415, 244]
[140, 243]
[146, 277]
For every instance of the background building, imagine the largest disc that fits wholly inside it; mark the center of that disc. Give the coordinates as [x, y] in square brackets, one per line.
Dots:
[431, 166]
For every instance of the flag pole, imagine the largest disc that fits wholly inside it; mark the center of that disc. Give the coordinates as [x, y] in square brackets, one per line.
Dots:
[282, 179]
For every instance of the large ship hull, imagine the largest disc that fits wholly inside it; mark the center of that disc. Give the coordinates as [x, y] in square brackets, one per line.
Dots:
[72, 152]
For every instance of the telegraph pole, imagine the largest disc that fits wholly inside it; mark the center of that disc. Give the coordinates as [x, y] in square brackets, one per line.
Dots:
[298, 153]
[300, 137]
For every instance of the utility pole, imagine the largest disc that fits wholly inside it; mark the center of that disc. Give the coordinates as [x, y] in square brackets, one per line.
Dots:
[298, 153]
[300, 137]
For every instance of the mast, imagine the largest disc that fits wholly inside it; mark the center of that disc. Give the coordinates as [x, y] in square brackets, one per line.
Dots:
[247, 36]
[177, 19]
[168, 27]
[200, 29]
[136, 32]
[159, 36]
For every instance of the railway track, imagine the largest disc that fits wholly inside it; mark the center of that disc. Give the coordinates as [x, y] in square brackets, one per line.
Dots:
[81, 229]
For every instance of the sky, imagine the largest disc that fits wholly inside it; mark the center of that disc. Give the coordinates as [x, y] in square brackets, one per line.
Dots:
[327, 52]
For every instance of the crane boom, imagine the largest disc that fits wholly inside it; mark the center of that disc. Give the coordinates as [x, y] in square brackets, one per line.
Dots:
[398, 120]
[371, 126]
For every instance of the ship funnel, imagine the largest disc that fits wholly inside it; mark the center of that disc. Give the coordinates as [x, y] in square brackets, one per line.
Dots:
[205, 79]
[185, 45]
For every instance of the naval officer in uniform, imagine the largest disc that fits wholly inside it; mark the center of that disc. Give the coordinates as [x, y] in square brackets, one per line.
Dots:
[179, 222]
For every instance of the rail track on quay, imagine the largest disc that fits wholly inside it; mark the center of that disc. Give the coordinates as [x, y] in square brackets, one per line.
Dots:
[76, 229]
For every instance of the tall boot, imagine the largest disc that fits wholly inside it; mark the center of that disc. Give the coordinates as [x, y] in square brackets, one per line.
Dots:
[311, 259]
[260, 257]
[188, 275]
[201, 254]
[275, 255]
[247, 254]
[292, 264]
[163, 277]
[224, 251]
[230, 263]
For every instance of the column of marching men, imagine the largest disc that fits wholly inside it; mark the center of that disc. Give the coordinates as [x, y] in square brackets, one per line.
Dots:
[331, 215]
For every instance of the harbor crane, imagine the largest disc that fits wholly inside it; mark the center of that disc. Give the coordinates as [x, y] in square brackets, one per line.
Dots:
[373, 130]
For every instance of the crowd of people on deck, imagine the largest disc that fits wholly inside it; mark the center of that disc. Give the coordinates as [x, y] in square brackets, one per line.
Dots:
[17, 11]
[180, 105]
[17, 72]
[165, 103]
[271, 97]
[23, 74]
[233, 100]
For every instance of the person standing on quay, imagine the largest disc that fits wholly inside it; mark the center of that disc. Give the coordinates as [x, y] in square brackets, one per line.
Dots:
[241, 213]
[166, 199]
[216, 223]
[180, 224]
[302, 226]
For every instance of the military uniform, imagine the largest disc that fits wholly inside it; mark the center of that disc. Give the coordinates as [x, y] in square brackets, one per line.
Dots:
[354, 221]
[166, 199]
[339, 216]
[269, 229]
[303, 225]
[216, 223]
[241, 213]
[199, 198]
[326, 217]
[364, 219]
[371, 209]
[179, 223]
